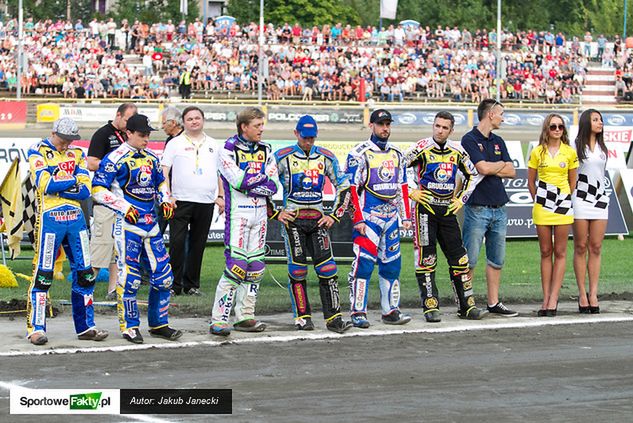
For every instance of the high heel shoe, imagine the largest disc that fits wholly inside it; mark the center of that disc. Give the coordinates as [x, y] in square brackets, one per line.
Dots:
[593, 309]
[551, 312]
[584, 309]
[541, 313]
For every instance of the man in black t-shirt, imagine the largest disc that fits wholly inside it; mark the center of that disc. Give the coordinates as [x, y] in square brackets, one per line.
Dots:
[107, 138]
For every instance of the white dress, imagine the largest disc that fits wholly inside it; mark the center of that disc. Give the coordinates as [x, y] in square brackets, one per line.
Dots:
[590, 200]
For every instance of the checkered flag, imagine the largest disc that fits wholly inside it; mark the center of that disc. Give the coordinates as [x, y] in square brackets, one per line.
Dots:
[552, 199]
[593, 194]
[29, 215]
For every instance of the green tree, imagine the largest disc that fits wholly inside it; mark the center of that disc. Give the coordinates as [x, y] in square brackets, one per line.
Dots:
[153, 11]
[306, 12]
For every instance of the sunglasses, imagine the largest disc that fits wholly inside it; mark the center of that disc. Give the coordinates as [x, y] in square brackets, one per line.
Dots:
[560, 127]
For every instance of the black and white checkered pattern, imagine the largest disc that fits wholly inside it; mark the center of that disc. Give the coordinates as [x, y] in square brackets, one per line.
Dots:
[552, 199]
[29, 216]
[593, 194]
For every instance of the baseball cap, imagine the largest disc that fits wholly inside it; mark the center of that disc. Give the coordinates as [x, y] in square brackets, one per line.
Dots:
[307, 127]
[140, 123]
[66, 129]
[380, 115]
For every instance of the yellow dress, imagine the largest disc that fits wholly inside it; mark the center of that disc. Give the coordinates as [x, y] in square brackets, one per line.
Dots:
[553, 204]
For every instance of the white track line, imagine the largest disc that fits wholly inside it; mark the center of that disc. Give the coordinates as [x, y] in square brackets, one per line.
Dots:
[267, 338]
[138, 417]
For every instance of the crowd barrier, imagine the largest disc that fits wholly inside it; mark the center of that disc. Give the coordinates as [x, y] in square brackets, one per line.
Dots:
[14, 113]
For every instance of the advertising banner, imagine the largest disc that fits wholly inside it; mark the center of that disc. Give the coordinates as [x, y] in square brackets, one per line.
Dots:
[12, 114]
[321, 114]
[47, 112]
[520, 222]
[422, 117]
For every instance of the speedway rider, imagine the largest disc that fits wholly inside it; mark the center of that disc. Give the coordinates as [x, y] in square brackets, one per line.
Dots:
[379, 197]
[437, 161]
[128, 181]
[302, 172]
[249, 174]
[62, 180]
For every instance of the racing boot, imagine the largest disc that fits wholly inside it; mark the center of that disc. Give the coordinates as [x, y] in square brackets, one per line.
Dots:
[133, 335]
[304, 323]
[250, 325]
[396, 318]
[166, 332]
[338, 325]
[220, 329]
[93, 335]
[432, 316]
[472, 313]
[429, 293]
[38, 338]
[359, 320]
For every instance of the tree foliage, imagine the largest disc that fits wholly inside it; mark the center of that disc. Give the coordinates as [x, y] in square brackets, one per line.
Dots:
[306, 12]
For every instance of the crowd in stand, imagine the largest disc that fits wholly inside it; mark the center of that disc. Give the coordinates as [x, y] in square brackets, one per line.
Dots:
[92, 60]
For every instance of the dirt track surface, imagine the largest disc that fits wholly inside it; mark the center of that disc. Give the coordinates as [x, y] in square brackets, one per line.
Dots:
[569, 368]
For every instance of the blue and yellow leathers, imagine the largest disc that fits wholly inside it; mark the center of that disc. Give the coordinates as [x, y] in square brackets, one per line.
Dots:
[303, 179]
[436, 168]
[126, 178]
[62, 180]
[379, 196]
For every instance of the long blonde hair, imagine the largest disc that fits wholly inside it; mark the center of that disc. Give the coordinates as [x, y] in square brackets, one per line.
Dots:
[544, 137]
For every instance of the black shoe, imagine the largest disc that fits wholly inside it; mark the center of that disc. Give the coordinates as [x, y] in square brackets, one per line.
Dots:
[473, 313]
[541, 313]
[432, 316]
[133, 335]
[550, 312]
[195, 292]
[501, 310]
[338, 325]
[304, 323]
[594, 309]
[396, 318]
[166, 332]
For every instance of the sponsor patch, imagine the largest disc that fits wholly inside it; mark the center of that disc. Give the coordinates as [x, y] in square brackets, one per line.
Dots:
[49, 251]
[430, 303]
[238, 271]
[40, 308]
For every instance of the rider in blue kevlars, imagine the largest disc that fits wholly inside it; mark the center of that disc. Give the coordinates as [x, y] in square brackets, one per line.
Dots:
[303, 168]
[128, 181]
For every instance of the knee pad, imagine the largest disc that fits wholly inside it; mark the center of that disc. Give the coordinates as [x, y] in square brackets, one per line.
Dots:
[297, 271]
[86, 278]
[43, 280]
[235, 270]
[428, 263]
[327, 269]
[163, 278]
[391, 270]
[255, 271]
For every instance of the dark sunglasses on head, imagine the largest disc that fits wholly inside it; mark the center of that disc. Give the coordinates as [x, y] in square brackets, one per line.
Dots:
[560, 127]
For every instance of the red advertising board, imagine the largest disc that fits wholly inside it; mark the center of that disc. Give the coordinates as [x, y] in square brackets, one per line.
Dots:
[12, 114]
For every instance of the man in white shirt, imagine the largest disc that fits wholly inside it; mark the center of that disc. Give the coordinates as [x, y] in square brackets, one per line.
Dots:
[192, 159]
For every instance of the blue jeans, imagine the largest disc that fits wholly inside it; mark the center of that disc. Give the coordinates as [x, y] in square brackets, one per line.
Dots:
[485, 222]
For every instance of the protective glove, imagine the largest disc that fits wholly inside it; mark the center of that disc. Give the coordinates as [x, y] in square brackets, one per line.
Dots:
[168, 210]
[420, 196]
[132, 215]
[454, 207]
